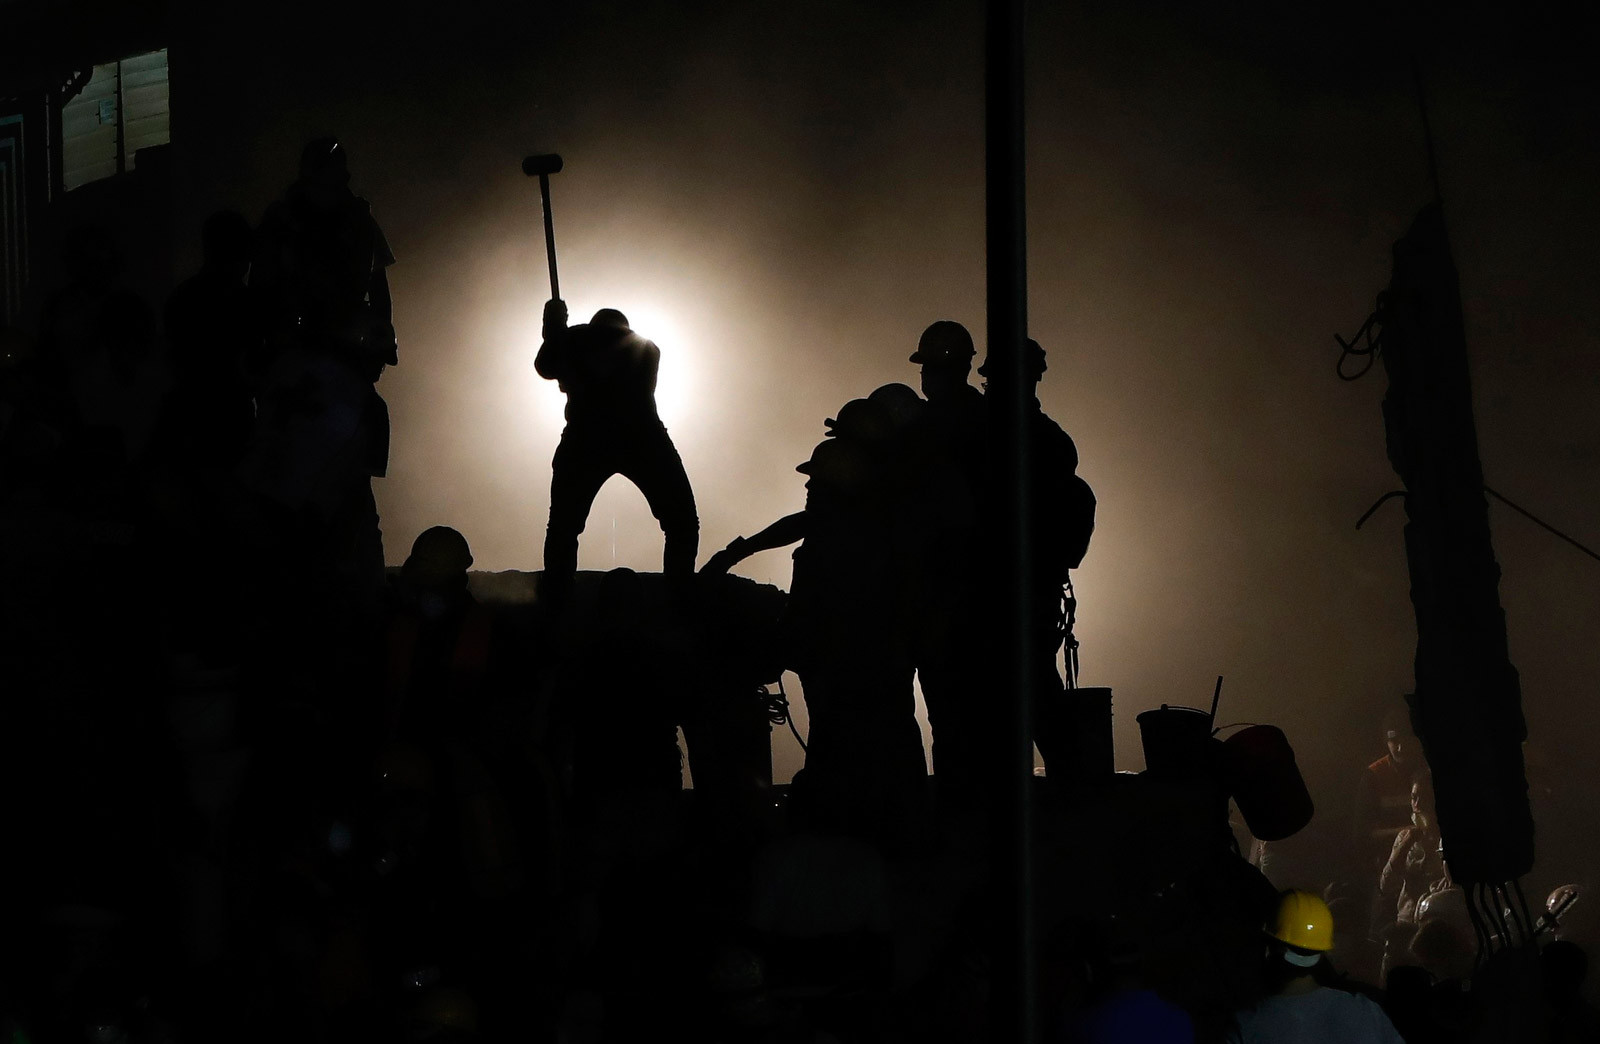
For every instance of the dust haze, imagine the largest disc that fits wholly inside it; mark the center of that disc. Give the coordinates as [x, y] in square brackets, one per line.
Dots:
[784, 197]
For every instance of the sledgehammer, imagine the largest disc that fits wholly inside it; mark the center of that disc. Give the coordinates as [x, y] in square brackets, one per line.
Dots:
[544, 166]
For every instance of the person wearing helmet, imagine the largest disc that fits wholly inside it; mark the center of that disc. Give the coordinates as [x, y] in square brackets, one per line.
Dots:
[1298, 1008]
[844, 625]
[942, 527]
[608, 373]
[1063, 511]
[321, 435]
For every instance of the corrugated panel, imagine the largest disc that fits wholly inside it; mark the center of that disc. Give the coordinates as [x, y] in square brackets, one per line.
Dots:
[145, 103]
[89, 130]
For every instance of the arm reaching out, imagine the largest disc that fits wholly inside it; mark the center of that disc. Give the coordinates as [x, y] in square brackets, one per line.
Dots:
[789, 529]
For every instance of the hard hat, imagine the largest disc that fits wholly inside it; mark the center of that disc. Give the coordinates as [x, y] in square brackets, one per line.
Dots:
[1447, 904]
[837, 464]
[863, 419]
[1035, 357]
[1562, 896]
[944, 342]
[610, 317]
[1304, 923]
[902, 404]
[438, 554]
[323, 159]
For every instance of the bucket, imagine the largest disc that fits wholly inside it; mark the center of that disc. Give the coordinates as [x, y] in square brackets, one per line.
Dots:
[1176, 740]
[1266, 783]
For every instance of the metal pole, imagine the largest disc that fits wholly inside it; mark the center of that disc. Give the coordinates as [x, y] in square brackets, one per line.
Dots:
[1011, 401]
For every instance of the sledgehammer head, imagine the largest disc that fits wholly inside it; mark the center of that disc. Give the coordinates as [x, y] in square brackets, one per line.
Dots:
[533, 166]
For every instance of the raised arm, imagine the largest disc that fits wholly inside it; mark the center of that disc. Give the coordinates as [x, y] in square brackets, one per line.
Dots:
[548, 363]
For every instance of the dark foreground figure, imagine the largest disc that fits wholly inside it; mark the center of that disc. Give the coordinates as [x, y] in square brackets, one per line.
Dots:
[609, 375]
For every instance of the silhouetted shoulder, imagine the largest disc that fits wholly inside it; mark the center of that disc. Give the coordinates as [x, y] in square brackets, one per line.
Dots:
[382, 253]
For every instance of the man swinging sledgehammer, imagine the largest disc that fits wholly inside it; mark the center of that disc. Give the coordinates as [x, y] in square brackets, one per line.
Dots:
[608, 373]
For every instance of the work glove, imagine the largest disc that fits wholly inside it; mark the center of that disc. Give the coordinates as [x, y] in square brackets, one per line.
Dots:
[555, 314]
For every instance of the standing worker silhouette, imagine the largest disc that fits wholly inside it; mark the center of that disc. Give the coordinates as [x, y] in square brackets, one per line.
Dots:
[609, 375]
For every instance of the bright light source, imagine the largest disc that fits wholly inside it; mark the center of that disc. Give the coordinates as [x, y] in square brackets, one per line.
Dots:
[675, 384]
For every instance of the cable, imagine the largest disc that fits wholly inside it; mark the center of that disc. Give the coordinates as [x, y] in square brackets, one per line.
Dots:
[1373, 510]
[783, 701]
[1366, 344]
[1477, 925]
[1527, 914]
[1524, 512]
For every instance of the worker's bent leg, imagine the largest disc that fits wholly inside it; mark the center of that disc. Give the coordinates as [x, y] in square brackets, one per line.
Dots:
[655, 467]
[578, 471]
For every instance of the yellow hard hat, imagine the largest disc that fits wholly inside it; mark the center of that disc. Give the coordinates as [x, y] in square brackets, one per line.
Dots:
[1303, 921]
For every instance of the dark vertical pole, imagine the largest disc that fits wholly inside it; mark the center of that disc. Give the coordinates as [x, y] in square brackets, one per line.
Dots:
[1011, 392]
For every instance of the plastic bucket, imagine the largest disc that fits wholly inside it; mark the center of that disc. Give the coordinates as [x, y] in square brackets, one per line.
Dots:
[1266, 783]
[1176, 740]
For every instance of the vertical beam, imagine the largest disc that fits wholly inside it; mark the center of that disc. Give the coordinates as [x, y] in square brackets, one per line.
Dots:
[1010, 402]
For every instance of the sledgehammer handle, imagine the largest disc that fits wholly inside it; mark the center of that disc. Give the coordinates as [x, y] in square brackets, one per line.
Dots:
[549, 237]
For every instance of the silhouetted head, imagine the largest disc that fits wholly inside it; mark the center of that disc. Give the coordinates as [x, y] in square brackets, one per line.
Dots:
[227, 241]
[945, 343]
[439, 560]
[902, 404]
[323, 161]
[1398, 737]
[610, 317]
[324, 173]
[837, 465]
[861, 419]
[1035, 361]
[945, 353]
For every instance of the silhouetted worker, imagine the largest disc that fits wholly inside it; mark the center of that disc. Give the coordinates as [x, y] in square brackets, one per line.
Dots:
[846, 623]
[609, 375]
[949, 439]
[322, 430]
[214, 333]
[1063, 509]
[439, 640]
[322, 266]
